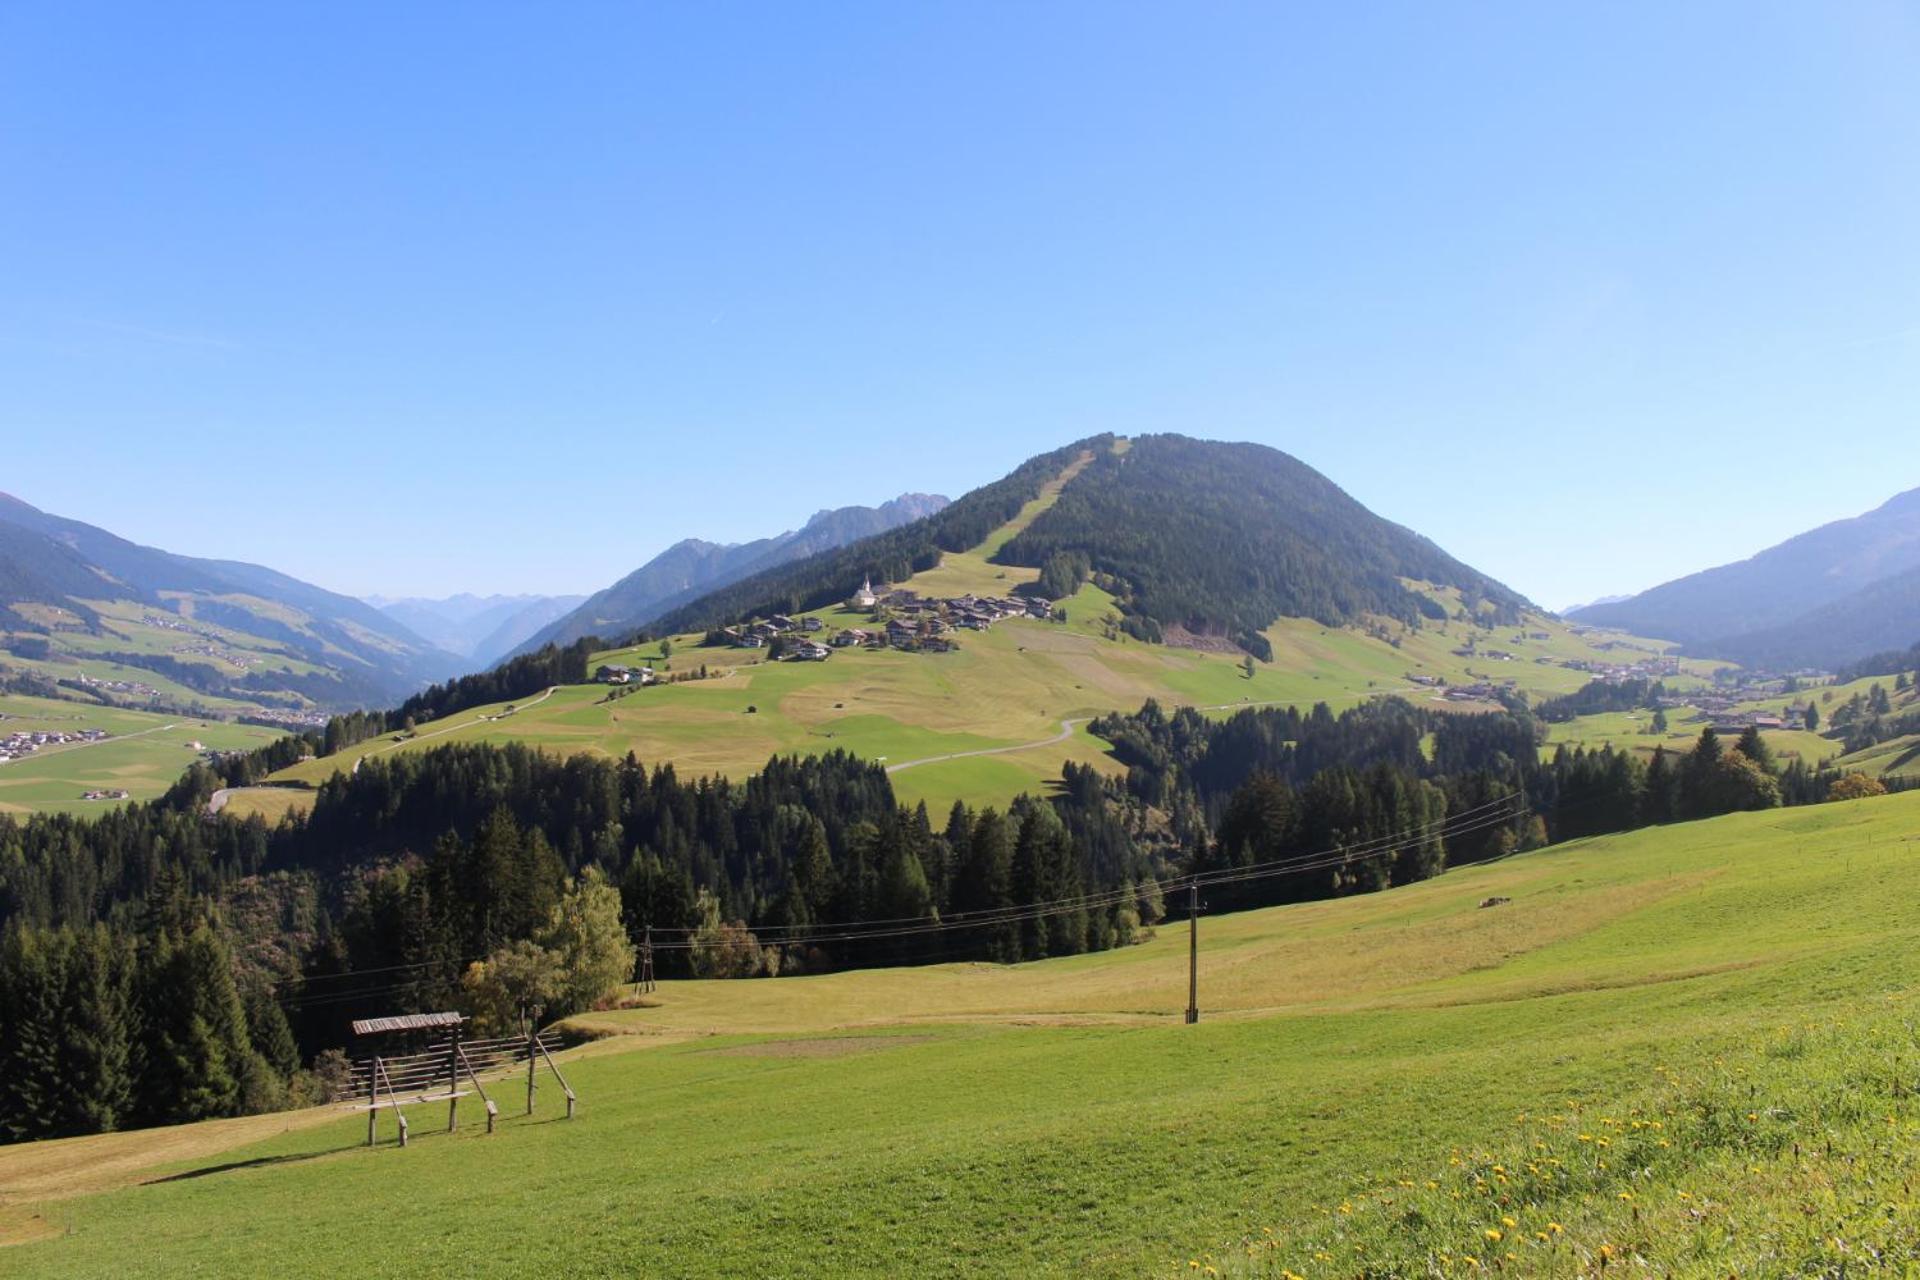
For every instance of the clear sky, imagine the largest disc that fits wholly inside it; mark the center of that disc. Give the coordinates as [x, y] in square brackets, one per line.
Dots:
[415, 298]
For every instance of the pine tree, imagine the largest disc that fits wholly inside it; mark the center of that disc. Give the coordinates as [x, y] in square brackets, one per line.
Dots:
[31, 1007]
[197, 1051]
[96, 1042]
[1754, 748]
[984, 884]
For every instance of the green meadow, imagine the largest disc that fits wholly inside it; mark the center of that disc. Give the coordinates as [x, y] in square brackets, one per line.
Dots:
[1678, 1050]
[146, 755]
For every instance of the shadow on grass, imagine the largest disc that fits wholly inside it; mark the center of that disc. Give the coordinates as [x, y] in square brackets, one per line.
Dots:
[258, 1162]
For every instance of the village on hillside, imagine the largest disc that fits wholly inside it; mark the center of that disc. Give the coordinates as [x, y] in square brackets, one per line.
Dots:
[899, 619]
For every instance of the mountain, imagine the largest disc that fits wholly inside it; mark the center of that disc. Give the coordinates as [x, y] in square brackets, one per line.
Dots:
[1811, 600]
[1879, 617]
[692, 567]
[221, 628]
[1190, 535]
[483, 628]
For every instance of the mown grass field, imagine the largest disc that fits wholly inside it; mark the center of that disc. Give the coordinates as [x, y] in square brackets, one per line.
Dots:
[1686, 1051]
[146, 755]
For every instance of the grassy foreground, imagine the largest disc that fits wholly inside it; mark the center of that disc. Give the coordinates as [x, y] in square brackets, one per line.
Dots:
[1682, 1051]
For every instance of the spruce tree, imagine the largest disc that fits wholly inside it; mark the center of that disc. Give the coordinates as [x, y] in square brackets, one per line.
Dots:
[32, 1003]
[96, 1040]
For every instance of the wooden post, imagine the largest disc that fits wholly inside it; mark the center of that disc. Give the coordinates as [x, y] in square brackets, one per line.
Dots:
[533, 1044]
[373, 1097]
[493, 1112]
[1193, 953]
[453, 1077]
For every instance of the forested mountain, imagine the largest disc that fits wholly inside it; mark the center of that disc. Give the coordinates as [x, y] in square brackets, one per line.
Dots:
[1223, 539]
[1216, 539]
[364, 656]
[483, 628]
[692, 567]
[1880, 616]
[1823, 598]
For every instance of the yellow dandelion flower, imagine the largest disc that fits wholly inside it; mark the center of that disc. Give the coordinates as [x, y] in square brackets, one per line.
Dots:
[1493, 1233]
[1509, 1222]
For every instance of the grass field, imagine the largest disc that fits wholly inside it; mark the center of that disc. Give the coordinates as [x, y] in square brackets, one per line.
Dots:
[1685, 1051]
[145, 756]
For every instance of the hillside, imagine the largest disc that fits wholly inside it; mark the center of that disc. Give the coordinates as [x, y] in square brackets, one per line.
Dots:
[1002, 711]
[1680, 1051]
[692, 567]
[1824, 598]
[78, 601]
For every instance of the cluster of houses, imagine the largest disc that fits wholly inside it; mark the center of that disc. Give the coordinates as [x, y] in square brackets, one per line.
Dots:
[292, 719]
[167, 622]
[1621, 672]
[759, 635]
[133, 688]
[1732, 724]
[903, 619]
[22, 743]
[218, 653]
[104, 793]
[609, 673]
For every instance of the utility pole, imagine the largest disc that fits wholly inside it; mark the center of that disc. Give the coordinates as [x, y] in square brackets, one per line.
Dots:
[646, 961]
[1193, 953]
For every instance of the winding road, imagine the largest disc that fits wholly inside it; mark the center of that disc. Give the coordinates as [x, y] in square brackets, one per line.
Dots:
[1066, 731]
[518, 707]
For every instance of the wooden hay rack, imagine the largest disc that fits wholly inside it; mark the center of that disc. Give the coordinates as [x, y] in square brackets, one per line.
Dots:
[447, 1069]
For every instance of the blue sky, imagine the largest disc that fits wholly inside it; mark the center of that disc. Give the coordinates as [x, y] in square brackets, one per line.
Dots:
[430, 298]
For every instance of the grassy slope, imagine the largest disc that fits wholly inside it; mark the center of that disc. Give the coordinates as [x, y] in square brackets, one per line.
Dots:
[1056, 1118]
[1009, 687]
[53, 778]
[235, 653]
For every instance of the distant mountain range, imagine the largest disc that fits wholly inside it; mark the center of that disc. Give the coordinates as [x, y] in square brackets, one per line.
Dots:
[483, 628]
[692, 567]
[305, 641]
[1822, 599]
